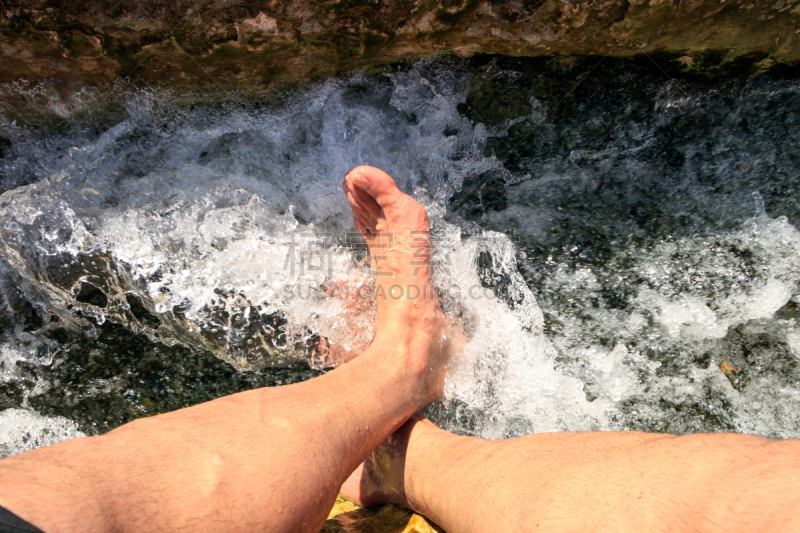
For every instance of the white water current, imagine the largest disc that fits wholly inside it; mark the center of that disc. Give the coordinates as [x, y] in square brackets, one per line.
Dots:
[215, 227]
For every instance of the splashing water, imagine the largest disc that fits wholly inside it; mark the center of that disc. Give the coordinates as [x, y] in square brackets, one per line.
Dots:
[222, 228]
[22, 430]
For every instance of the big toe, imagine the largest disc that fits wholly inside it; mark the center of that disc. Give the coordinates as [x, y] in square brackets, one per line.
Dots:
[399, 209]
[376, 183]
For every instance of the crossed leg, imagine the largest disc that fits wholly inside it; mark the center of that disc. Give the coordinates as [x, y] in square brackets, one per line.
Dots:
[271, 459]
[574, 482]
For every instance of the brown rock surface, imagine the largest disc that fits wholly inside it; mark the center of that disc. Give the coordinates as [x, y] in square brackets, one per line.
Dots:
[263, 43]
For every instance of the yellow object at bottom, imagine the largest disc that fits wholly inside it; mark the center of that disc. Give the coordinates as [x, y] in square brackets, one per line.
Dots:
[347, 517]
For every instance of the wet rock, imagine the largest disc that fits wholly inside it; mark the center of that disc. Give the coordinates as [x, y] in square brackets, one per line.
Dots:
[114, 376]
[5, 147]
[753, 349]
[737, 375]
[479, 194]
[256, 44]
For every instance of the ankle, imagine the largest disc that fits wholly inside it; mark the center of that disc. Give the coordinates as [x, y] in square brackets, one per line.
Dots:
[413, 356]
[409, 348]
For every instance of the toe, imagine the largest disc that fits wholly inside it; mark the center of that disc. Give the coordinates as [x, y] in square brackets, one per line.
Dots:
[367, 231]
[376, 183]
[362, 202]
[375, 192]
[359, 211]
[367, 203]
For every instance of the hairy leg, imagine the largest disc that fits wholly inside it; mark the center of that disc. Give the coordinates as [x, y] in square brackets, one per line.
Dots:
[269, 459]
[623, 481]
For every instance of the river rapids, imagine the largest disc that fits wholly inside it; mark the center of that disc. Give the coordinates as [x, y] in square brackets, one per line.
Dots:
[620, 247]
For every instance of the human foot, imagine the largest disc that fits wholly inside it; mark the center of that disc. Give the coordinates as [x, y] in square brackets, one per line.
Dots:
[380, 479]
[399, 470]
[396, 230]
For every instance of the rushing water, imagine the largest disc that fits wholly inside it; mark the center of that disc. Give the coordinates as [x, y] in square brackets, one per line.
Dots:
[619, 247]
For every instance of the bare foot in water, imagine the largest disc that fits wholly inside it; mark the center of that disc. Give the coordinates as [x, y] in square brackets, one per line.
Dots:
[396, 230]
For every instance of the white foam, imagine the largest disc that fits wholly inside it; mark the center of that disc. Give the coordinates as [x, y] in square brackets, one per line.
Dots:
[22, 430]
[683, 306]
[213, 240]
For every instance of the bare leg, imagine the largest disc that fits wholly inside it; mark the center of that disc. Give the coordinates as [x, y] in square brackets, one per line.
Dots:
[270, 459]
[626, 481]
